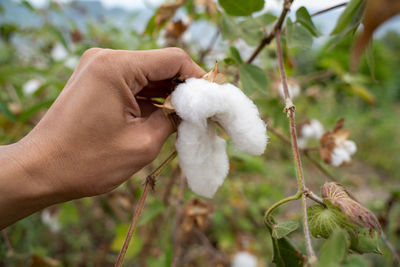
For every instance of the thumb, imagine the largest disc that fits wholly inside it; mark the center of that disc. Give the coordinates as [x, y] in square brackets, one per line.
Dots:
[159, 125]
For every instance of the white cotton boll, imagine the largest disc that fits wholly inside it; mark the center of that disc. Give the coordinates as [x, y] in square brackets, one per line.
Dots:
[318, 129]
[202, 154]
[198, 100]
[71, 62]
[302, 142]
[339, 156]
[350, 146]
[312, 130]
[31, 86]
[59, 52]
[202, 157]
[293, 87]
[244, 259]
[51, 220]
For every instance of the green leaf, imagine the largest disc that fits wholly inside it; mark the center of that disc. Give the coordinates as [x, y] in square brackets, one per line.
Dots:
[334, 250]
[241, 8]
[120, 234]
[267, 18]
[251, 31]
[365, 241]
[68, 214]
[284, 228]
[151, 25]
[235, 55]
[285, 253]
[304, 18]
[297, 36]
[7, 113]
[154, 209]
[229, 29]
[347, 15]
[253, 78]
[355, 261]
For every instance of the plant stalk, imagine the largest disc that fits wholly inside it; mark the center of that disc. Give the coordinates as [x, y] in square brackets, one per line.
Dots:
[150, 182]
[289, 109]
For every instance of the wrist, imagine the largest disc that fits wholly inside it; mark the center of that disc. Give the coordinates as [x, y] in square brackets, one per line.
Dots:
[23, 185]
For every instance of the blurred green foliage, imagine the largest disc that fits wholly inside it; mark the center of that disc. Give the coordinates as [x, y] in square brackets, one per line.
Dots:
[92, 230]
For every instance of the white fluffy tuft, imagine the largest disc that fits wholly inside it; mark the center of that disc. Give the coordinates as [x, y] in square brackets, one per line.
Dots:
[350, 147]
[202, 153]
[244, 259]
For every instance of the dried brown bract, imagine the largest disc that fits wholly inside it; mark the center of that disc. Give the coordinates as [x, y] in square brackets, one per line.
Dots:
[338, 196]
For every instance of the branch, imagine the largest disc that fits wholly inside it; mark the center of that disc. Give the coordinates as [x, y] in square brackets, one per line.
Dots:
[306, 154]
[150, 182]
[279, 203]
[390, 247]
[210, 46]
[278, 26]
[178, 221]
[289, 109]
[328, 9]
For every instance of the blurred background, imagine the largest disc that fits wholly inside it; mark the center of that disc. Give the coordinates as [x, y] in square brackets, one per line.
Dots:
[40, 45]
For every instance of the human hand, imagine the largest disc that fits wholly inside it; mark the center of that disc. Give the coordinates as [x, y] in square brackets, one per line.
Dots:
[96, 134]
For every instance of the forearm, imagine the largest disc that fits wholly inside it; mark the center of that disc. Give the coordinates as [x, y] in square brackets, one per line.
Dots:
[22, 192]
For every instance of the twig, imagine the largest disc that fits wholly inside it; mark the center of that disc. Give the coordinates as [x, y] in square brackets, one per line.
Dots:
[279, 203]
[178, 221]
[328, 9]
[210, 46]
[278, 25]
[320, 167]
[289, 109]
[310, 194]
[390, 247]
[7, 241]
[306, 154]
[286, 7]
[150, 182]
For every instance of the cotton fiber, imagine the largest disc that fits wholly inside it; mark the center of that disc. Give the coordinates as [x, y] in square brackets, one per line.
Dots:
[342, 153]
[202, 153]
[312, 130]
[244, 259]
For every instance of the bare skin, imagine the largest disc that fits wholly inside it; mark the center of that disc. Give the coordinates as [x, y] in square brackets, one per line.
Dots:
[95, 135]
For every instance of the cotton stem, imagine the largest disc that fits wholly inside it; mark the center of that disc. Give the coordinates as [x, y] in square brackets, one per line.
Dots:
[150, 183]
[290, 109]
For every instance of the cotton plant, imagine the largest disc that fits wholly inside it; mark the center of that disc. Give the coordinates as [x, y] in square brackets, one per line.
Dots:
[31, 86]
[335, 148]
[293, 86]
[311, 130]
[51, 220]
[203, 105]
[244, 259]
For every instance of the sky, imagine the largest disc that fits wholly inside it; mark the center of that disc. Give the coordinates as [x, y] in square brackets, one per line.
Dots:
[140, 4]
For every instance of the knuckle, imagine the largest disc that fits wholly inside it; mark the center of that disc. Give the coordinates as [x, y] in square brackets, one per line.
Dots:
[179, 52]
[150, 147]
[90, 52]
[100, 62]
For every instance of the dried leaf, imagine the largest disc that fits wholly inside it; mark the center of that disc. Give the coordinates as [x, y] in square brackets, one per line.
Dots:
[210, 6]
[166, 11]
[376, 13]
[196, 215]
[174, 31]
[331, 139]
[338, 196]
[166, 106]
[38, 261]
[214, 76]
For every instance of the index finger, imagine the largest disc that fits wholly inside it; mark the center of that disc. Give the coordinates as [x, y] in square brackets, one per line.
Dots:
[163, 64]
